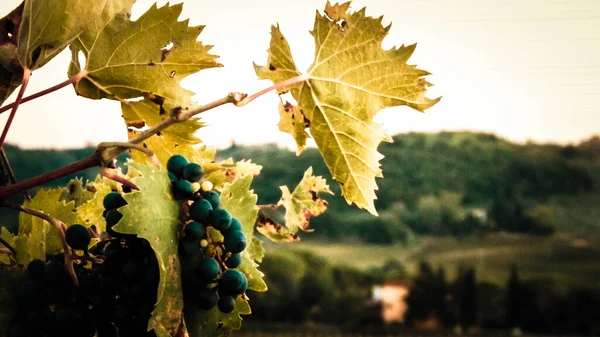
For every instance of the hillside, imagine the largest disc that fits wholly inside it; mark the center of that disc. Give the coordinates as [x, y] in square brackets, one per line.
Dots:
[432, 182]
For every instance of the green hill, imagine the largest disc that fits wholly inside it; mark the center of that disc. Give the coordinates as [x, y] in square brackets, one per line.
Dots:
[433, 184]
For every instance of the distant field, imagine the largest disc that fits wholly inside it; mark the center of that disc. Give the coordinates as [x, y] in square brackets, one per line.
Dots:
[564, 257]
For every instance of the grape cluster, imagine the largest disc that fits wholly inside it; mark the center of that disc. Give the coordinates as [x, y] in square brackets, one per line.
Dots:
[213, 281]
[116, 292]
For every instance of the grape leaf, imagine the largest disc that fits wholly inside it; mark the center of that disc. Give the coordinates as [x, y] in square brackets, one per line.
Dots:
[11, 71]
[351, 79]
[176, 139]
[47, 201]
[48, 26]
[274, 231]
[90, 213]
[9, 238]
[76, 192]
[214, 323]
[239, 200]
[254, 276]
[227, 171]
[151, 213]
[304, 202]
[129, 59]
[292, 121]
[256, 251]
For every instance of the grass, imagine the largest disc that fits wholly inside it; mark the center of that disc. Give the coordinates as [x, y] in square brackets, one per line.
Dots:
[566, 258]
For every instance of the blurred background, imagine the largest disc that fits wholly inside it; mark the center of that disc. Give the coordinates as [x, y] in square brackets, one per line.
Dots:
[490, 206]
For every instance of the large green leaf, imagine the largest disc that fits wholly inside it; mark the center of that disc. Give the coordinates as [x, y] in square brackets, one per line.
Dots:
[48, 26]
[152, 214]
[11, 71]
[351, 79]
[129, 59]
[148, 57]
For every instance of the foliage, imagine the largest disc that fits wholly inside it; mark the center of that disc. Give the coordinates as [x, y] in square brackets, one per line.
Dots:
[141, 64]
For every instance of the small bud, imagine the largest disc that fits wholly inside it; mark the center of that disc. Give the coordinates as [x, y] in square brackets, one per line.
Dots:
[203, 243]
[207, 186]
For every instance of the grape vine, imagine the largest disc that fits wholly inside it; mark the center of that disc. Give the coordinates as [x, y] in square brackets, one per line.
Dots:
[166, 245]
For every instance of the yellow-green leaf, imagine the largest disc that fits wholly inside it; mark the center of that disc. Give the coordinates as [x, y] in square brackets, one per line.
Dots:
[176, 139]
[351, 79]
[36, 229]
[90, 213]
[152, 214]
[291, 120]
[304, 202]
[149, 56]
[48, 26]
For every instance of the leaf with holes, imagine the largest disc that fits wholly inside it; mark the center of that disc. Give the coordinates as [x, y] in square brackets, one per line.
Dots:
[147, 57]
[351, 79]
[48, 26]
[90, 213]
[157, 224]
[304, 202]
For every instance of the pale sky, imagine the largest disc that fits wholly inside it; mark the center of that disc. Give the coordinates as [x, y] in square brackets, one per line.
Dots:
[523, 69]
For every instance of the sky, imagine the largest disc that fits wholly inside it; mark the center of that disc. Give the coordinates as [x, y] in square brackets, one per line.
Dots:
[524, 70]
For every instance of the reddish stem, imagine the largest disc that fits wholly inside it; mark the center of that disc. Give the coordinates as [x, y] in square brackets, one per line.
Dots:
[26, 76]
[61, 85]
[276, 86]
[91, 161]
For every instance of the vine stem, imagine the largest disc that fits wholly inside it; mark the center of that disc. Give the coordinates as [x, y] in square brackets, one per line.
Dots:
[104, 156]
[8, 246]
[24, 83]
[105, 172]
[276, 86]
[73, 79]
[5, 251]
[60, 227]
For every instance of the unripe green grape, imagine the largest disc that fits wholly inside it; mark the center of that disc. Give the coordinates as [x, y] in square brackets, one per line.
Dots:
[194, 231]
[220, 219]
[226, 304]
[200, 210]
[236, 225]
[208, 270]
[234, 261]
[176, 164]
[183, 190]
[193, 172]
[113, 200]
[233, 282]
[206, 298]
[78, 237]
[207, 186]
[213, 197]
[35, 270]
[235, 241]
